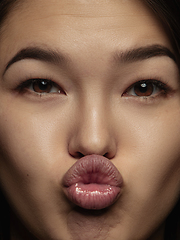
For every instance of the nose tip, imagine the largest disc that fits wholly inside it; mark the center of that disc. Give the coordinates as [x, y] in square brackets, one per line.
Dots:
[86, 145]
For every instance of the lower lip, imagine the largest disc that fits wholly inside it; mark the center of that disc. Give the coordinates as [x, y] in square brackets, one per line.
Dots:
[93, 196]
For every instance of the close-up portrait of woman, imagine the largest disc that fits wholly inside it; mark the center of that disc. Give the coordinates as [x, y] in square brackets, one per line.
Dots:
[89, 119]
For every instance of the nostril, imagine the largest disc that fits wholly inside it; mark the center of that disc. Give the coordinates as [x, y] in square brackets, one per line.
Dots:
[109, 155]
[77, 155]
[106, 155]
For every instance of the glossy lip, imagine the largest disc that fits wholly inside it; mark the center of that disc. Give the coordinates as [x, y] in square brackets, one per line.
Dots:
[93, 182]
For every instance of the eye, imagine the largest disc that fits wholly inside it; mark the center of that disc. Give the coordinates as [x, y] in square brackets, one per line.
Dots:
[43, 86]
[146, 88]
[40, 86]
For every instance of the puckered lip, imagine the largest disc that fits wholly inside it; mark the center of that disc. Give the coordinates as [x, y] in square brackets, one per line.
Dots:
[93, 182]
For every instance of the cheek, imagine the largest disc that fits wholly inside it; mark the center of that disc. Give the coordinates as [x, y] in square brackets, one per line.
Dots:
[27, 144]
[149, 159]
[150, 143]
[160, 153]
[150, 164]
[31, 146]
[32, 163]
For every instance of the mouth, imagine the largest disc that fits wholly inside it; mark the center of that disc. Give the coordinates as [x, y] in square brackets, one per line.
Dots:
[93, 182]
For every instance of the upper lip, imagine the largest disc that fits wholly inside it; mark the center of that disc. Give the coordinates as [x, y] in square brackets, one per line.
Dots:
[93, 169]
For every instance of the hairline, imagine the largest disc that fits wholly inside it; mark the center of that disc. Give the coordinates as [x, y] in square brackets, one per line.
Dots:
[7, 8]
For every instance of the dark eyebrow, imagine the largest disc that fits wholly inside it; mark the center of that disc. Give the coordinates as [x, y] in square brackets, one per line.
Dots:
[143, 53]
[53, 56]
[37, 53]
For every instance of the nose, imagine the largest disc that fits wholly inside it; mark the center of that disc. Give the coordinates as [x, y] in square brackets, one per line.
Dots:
[93, 132]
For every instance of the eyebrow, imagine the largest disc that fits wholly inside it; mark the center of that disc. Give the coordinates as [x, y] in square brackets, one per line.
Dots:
[54, 56]
[143, 53]
[37, 53]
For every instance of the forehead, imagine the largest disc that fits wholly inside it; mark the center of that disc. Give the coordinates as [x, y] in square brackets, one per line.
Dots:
[74, 24]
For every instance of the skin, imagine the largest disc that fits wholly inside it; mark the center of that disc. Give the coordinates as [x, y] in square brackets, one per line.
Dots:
[43, 135]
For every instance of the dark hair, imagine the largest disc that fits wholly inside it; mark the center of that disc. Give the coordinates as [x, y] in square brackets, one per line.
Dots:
[5, 8]
[4, 218]
[169, 12]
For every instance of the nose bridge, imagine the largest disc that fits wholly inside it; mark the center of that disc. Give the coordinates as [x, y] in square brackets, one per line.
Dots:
[94, 124]
[93, 134]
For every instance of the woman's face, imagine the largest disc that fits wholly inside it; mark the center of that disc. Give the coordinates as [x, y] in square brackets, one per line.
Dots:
[112, 90]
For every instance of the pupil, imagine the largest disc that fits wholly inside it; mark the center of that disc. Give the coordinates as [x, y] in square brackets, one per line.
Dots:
[43, 85]
[143, 87]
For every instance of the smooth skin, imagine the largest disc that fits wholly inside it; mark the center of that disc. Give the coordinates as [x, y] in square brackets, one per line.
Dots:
[91, 109]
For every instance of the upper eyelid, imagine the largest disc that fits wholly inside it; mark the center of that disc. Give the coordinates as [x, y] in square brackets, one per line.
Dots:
[155, 81]
[28, 82]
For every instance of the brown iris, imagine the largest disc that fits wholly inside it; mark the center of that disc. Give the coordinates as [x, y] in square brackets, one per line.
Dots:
[143, 89]
[42, 86]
